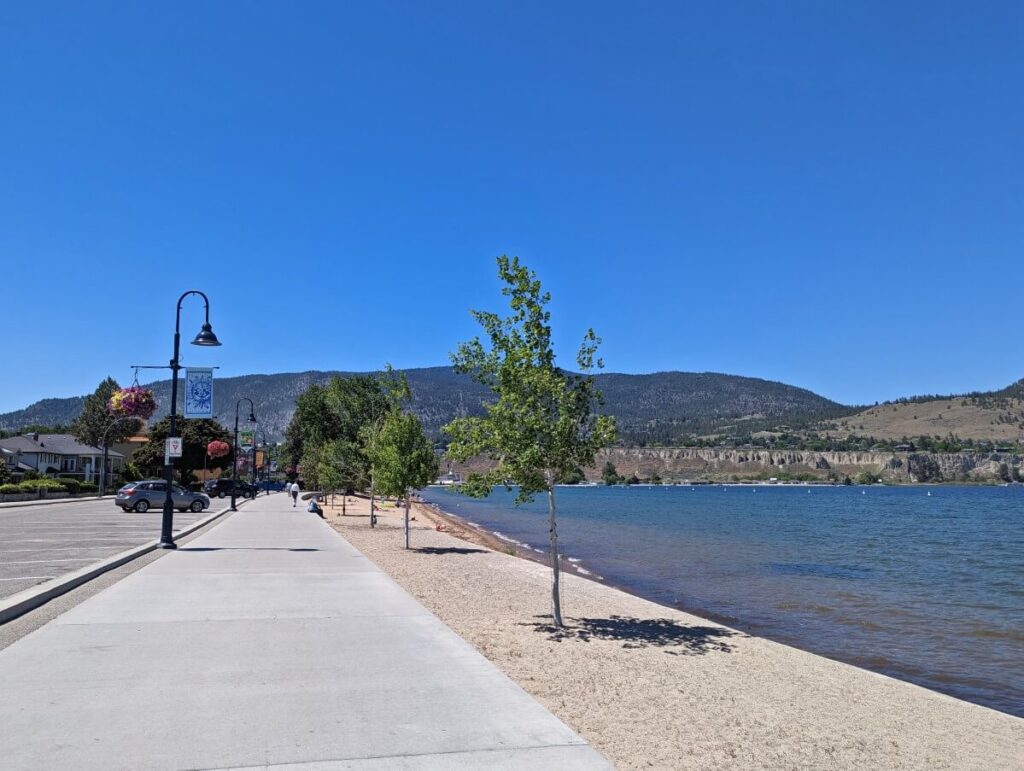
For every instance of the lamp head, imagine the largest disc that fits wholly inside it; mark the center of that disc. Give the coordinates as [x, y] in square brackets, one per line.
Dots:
[252, 417]
[206, 336]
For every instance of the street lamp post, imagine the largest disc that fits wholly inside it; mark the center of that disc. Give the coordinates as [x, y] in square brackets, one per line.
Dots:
[106, 446]
[205, 338]
[234, 456]
[255, 477]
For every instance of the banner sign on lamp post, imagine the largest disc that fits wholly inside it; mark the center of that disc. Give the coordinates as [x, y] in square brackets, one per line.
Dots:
[172, 449]
[198, 392]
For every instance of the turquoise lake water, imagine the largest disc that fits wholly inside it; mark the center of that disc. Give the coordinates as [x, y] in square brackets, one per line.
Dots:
[926, 588]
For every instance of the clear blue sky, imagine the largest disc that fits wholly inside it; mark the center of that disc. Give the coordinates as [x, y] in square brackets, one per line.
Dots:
[827, 194]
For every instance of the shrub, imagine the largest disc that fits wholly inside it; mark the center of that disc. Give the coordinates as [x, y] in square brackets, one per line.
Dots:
[88, 487]
[10, 489]
[45, 483]
[71, 485]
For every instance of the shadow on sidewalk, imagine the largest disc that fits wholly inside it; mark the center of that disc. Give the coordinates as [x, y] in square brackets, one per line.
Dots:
[448, 550]
[641, 633]
[241, 548]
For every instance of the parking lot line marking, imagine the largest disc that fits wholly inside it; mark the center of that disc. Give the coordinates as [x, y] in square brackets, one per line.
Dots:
[25, 578]
[40, 562]
[55, 548]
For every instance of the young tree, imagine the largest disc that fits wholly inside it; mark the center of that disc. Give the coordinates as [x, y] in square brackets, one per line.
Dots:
[402, 459]
[542, 424]
[96, 419]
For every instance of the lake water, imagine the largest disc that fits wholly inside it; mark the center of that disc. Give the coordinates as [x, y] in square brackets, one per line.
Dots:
[924, 587]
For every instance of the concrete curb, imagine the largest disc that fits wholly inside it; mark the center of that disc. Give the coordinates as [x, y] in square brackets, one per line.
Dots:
[30, 599]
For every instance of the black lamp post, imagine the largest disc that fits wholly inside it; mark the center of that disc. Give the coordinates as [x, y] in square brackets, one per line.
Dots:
[255, 477]
[207, 338]
[234, 455]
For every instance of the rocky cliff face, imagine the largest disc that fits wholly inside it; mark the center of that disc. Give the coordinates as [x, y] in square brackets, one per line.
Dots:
[697, 462]
[693, 463]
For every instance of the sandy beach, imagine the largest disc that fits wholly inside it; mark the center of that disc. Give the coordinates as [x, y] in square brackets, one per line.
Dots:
[653, 687]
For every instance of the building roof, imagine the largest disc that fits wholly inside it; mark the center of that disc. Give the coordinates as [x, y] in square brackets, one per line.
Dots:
[56, 444]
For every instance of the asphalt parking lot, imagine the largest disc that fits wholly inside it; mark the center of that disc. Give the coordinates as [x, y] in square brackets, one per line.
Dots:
[38, 543]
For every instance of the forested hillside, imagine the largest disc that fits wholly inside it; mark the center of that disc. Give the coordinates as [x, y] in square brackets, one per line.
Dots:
[662, 408]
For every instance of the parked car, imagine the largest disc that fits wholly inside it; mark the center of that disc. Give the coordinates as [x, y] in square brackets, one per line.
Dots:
[223, 487]
[151, 493]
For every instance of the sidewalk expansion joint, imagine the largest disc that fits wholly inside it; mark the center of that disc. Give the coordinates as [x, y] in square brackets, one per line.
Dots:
[478, 751]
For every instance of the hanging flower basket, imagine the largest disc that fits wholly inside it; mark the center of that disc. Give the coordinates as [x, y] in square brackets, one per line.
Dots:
[217, 449]
[133, 402]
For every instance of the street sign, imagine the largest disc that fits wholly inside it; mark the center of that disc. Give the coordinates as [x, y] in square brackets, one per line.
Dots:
[173, 449]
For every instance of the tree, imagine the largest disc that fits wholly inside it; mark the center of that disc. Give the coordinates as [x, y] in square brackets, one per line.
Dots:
[334, 424]
[542, 424]
[196, 434]
[402, 459]
[609, 474]
[95, 420]
[5, 475]
[574, 477]
[868, 478]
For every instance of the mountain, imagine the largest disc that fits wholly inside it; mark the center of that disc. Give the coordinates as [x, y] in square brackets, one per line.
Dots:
[661, 408]
[996, 416]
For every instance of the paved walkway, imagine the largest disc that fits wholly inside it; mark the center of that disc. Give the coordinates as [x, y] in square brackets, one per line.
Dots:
[269, 641]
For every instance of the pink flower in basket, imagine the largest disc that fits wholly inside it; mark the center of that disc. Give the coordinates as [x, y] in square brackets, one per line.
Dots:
[134, 402]
[217, 449]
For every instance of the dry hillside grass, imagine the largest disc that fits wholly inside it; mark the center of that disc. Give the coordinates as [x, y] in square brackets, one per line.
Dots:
[996, 419]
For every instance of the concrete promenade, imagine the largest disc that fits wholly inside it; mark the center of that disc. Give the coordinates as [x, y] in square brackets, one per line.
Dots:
[269, 641]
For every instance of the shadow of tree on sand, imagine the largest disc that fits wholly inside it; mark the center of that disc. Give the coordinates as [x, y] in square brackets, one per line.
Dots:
[678, 639]
[448, 550]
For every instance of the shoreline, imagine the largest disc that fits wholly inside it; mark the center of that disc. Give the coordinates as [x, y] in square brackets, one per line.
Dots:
[474, 533]
[875, 665]
[650, 685]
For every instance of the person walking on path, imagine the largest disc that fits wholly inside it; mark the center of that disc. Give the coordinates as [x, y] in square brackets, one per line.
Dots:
[294, 490]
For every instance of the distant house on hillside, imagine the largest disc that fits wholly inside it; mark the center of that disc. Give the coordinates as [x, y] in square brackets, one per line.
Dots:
[57, 455]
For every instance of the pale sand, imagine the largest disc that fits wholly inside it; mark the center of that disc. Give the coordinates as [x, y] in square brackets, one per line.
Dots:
[653, 687]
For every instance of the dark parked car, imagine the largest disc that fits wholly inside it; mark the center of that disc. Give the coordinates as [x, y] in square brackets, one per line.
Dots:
[221, 488]
[151, 493]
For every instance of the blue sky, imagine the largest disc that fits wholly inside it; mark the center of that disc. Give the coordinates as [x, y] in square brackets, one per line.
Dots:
[831, 195]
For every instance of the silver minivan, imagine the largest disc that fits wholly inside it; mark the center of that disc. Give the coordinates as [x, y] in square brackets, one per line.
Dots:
[150, 494]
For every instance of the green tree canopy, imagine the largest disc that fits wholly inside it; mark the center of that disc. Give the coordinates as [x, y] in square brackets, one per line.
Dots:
[195, 434]
[96, 418]
[542, 425]
[402, 458]
[333, 425]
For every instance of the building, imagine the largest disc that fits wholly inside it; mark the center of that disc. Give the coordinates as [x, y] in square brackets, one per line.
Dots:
[57, 455]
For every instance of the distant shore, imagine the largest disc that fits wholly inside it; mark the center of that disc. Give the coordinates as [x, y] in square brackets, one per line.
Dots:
[654, 687]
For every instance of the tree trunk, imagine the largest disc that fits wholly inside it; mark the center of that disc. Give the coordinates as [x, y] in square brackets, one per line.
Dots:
[556, 599]
[344, 500]
[407, 519]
